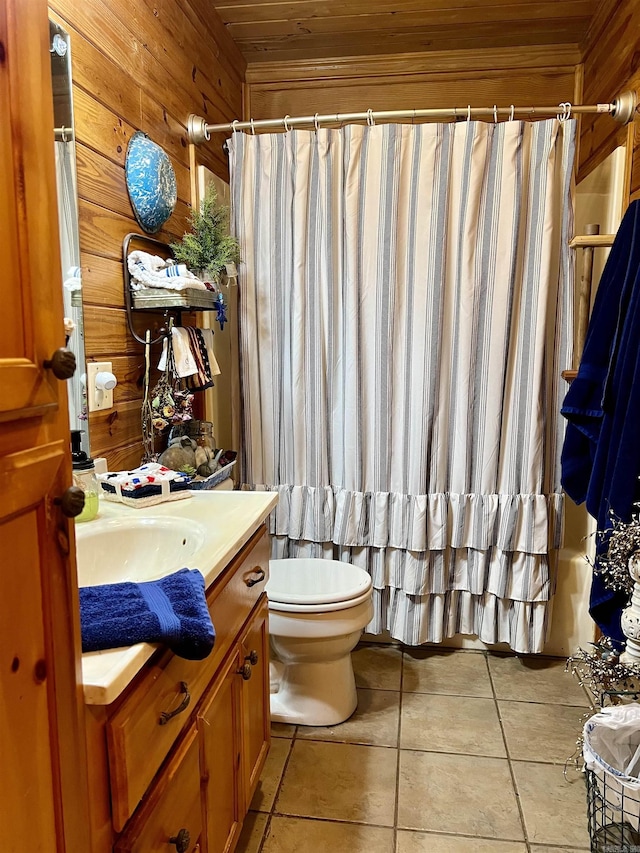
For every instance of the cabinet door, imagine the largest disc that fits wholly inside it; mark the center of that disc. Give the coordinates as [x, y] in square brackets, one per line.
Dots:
[256, 722]
[43, 787]
[219, 729]
[171, 816]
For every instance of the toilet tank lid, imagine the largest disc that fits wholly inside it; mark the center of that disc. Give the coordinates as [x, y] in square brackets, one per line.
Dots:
[315, 581]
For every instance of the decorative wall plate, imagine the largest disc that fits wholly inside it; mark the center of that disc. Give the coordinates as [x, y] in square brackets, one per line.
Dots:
[151, 182]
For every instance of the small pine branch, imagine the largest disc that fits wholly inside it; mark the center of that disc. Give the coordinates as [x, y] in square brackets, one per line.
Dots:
[209, 246]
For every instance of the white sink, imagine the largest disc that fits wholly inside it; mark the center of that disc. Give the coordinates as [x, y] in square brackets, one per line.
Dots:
[135, 549]
[203, 532]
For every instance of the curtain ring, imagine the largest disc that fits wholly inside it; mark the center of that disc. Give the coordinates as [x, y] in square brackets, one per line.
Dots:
[315, 122]
[495, 113]
[285, 122]
[566, 111]
[234, 123]
[512, 113]
[370, 119]
[413, 117]
[253, 129]
[468, 112]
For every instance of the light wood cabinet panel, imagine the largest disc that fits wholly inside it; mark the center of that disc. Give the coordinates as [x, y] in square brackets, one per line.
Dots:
[173, 809]
[256, 729]
[137, 737]
[219, 726]
[31, 298]
[29, 778]
[43, 784]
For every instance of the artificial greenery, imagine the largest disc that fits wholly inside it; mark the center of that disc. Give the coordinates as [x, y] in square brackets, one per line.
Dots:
[209, 247]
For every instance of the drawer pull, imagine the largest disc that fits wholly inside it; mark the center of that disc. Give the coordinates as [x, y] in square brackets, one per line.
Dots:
[253, 657]
[181, 840]
[165, 716]
[245, 671]
[259, 574]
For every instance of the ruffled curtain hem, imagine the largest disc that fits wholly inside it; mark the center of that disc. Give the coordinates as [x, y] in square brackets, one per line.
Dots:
[529, 523]
[416, 620]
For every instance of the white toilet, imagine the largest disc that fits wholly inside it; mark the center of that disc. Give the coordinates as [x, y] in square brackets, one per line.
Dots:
[317, 611]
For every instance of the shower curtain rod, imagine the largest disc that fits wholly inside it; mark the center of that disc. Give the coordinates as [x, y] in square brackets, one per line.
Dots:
[622, 109]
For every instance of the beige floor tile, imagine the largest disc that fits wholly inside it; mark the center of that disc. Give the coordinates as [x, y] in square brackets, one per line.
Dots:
[446, 671]
[377, 666]
[535, 679]
[252, 832]
[282, 730]
[375, 721]
[426, 842]
[461, 724]
[457, 794]
[555, 810]
[541, 732]
[270, 778]
[295, 835]
[536, 848]
[340, 781]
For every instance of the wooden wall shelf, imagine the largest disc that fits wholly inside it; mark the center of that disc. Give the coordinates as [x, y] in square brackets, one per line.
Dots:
[592, 241]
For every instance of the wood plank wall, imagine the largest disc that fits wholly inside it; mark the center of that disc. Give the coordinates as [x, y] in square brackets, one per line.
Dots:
[147, 65]
[141, 65]
[611, 65]
[528, 75]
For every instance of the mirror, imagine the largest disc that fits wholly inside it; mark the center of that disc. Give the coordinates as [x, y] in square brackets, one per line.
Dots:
[65, 154]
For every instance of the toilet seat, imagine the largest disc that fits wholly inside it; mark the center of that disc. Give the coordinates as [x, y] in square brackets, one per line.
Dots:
[316, 585]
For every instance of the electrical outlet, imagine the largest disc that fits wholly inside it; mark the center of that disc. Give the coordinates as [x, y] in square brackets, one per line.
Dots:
[99, 397]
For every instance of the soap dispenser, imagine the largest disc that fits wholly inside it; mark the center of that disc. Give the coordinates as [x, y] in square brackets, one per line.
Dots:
[84, 476]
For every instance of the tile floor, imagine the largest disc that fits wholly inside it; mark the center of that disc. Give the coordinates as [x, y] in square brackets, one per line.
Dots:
[449, 751]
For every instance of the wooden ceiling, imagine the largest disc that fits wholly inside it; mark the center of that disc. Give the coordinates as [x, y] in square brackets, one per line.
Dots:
[282, 30]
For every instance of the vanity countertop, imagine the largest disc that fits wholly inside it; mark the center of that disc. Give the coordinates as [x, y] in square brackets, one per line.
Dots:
[230, 519]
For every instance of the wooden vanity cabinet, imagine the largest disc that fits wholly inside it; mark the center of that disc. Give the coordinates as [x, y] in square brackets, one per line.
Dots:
[235, 734]
[173, 809]
[196, 772]
[256, 723]
[219, 725]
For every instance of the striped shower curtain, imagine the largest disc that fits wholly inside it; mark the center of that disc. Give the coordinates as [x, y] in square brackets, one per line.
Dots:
[405, 314]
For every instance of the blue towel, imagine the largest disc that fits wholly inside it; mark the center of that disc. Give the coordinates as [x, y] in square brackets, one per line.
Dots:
[601, 452]
[172, 610]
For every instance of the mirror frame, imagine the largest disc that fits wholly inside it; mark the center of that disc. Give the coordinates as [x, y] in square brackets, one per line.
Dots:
[68, 220]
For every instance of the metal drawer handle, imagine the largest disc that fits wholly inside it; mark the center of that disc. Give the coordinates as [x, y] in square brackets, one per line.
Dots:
[245, 671]
[181, 840]
[165, 716]
[259, 575]
[253, 657]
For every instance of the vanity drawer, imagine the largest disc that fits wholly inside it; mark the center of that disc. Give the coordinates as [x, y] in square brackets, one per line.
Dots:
[173, 808]
[231, 602]
[139, 735]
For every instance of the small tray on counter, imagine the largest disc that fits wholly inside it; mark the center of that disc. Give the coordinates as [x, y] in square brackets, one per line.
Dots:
[213, 480]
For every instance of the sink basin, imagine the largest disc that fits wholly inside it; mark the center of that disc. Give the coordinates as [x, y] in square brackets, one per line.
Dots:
[135, 549]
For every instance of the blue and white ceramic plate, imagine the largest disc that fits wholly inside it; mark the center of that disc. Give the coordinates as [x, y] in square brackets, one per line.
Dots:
[151, 182]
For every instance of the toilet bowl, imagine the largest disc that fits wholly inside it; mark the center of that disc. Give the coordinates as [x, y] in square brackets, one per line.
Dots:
[317, 611]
